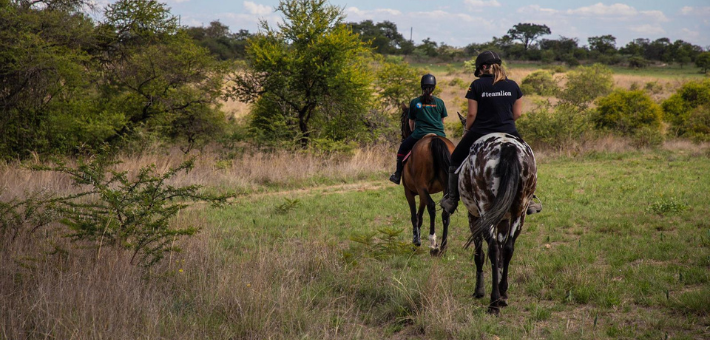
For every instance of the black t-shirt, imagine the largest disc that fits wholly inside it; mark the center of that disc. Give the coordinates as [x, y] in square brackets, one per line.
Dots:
[495, 104]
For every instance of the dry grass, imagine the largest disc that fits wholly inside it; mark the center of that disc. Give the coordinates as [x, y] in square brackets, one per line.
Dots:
[236, 283]
[84, 294]
[246, 173]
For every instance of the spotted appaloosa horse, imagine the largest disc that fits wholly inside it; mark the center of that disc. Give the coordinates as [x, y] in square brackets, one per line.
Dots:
[426, 172]
[496, 184]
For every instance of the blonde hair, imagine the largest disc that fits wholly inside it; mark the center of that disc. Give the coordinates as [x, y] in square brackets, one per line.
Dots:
[498, 73]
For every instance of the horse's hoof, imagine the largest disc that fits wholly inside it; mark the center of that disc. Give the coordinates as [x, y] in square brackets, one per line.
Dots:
[417, 243]
[493, 310]
[479, 294]
[435, 251]
[503, 302]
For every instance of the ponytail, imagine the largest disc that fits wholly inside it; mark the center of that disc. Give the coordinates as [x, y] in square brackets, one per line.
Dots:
[427, 97]
[498, 73]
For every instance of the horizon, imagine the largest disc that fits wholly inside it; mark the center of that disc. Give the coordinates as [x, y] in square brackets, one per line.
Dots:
[452, 22]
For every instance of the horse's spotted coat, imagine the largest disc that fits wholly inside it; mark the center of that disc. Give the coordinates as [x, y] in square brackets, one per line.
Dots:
[497, 212]
[478, 181]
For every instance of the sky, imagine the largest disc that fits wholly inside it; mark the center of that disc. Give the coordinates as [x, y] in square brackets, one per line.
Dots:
[461, 22]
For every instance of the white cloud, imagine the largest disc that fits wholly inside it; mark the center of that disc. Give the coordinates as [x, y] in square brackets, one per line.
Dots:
[376, 12]
[534, 9]
[648, 29]
[687, 10]
[655, 15]
[478, 5]
[600, 9]
[689, 34]
[256, 9]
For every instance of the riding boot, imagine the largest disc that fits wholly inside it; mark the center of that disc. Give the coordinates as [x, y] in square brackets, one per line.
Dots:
[397, 175]
[451, 200]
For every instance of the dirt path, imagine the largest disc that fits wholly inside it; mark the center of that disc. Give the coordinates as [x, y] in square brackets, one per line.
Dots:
[326, 190]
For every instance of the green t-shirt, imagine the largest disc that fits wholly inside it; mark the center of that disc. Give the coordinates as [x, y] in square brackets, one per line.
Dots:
[427, 117]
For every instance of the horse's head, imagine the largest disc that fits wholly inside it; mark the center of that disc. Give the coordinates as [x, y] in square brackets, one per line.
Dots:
[463, 121]
[404, 121]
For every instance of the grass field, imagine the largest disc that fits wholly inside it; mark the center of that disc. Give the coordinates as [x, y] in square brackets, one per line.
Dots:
[621, 250]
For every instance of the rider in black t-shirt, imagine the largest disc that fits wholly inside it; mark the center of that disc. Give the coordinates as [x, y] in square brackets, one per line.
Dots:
[493, 106]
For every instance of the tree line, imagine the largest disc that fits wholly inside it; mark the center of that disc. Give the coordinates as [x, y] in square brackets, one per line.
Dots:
[71, 84]
[524, 41]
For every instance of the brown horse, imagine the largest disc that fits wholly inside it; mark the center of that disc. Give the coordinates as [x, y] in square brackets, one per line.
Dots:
[425, 173]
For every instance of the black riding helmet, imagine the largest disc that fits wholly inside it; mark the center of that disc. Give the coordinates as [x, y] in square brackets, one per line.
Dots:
[428, 80]
[486, 58]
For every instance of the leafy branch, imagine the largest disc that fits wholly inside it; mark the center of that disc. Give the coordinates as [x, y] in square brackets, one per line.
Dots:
[132, 214]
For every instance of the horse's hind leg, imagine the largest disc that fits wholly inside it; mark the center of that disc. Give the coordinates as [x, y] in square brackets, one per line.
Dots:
[445, 220]
[431, 209]
[479, 257]
[506, 256]
[494, 255]
[416, 220]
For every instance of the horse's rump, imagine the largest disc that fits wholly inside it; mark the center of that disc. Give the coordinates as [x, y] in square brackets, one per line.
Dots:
[428, 163]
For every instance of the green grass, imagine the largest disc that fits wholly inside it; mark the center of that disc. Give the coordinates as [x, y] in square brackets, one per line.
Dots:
[668, 71]
[605, 259]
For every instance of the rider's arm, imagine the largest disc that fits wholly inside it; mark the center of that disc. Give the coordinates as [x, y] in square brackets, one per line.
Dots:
[517, 109]
[472, 112]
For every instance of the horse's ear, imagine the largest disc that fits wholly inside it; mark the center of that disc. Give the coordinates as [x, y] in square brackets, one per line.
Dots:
[405, 107]
[461, 118]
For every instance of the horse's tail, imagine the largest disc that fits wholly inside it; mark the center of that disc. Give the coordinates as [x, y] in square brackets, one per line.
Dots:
[508, 170]
[441, 157]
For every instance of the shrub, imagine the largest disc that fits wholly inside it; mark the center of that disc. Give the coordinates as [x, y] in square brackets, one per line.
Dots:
[699, 124]
[702, 60]
[628, 111]
[585, 84]
[458, 82]
[653, 87]
[688, 110]
[637, 62]
[540, 83]
[24, 217]
[557, 126]
[571, 61]
[131, 214]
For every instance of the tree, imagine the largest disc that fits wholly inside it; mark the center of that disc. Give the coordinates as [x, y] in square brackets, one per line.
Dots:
[396, 82]
[605, 44]
[636, 47]
[585, 84]
[160, 80]
[311, 67]
[660, 49]
[428, 47]
[220, 41]
[703, 61]
[528, 33]
[44, 72]
[383, 37]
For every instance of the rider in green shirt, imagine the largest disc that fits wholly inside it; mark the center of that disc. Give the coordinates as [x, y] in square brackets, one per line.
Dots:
[426, 115]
